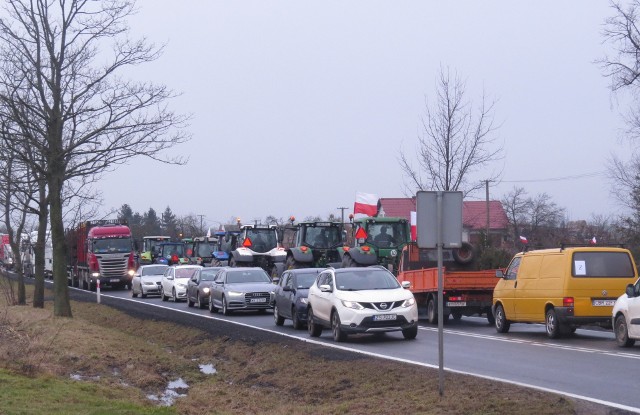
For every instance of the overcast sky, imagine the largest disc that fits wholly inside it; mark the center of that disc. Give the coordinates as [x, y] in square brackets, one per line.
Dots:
[299, 105]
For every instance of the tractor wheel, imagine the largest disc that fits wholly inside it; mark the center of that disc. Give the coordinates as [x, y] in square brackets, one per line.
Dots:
[348, 262]
[291, 263]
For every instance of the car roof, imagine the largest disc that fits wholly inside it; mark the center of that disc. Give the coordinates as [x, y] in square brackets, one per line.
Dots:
[154, 265]
[305, 270]
[187, 266]
[361, 269]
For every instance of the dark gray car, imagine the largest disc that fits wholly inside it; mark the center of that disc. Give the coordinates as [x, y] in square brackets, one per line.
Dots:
[199, 286]
[241, 289]
[291, 296]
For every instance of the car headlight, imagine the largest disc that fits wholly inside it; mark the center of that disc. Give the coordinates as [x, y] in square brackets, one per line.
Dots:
[181, 285]
[409, 302]
[352, 304]
[206, 290]
[149, 283]
[236, 293]
[304, 301]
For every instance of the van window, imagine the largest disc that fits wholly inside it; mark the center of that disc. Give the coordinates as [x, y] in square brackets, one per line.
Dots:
[512, 271]
[602, 264]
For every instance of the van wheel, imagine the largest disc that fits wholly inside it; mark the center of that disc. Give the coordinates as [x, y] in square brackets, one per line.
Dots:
[502, 324]
[622, 332]
[555, 329]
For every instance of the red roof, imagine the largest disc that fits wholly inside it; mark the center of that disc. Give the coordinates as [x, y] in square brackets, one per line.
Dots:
[474, 213]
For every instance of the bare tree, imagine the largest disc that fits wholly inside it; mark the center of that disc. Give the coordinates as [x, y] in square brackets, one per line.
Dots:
[517, 206]
[59, 81]
[456, 140]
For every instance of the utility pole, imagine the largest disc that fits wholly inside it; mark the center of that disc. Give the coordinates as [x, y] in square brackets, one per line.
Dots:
[486, 242]
[342, 209]
[201, 216]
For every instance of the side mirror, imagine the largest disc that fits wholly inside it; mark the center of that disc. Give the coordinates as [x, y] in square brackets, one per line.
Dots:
[630, 291]
[325, 288]
[286, 288]
[406, 284]
[276, 280]
[169, 277]
[499, 273]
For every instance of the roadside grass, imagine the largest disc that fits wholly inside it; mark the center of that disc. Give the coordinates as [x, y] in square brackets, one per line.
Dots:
[120, 360]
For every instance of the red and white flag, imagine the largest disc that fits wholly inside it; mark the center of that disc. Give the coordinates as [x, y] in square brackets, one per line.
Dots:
[523, 239]
[366, 203]
[414, 226]
[593, 241]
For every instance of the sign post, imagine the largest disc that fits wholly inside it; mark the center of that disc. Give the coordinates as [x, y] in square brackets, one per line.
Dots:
[439, 224]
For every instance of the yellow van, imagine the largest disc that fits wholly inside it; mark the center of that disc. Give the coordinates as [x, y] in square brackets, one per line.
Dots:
[563, 288]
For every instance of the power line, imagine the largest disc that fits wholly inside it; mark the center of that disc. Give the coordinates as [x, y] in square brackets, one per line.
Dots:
[557, 179]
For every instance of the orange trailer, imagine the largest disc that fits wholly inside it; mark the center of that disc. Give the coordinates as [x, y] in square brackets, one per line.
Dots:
[464, 292]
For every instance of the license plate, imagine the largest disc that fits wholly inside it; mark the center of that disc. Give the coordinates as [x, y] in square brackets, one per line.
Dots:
[115, 279]
[385, 317]
[603, 303]
[258, 300]
[457, 304]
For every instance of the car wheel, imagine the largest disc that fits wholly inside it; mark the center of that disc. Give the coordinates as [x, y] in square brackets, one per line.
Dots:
[622, 332]
[432, 313]
[297, 324]
[314, 329]
[411, 333]
[174, 296]
[276, 316]
[164, 297]
[456, 315]
[142, 293]
[199, 303]
[338, 334]
[134, 294]
[189, 302]
[225, 308]
[501, 322]
[553, 325]
[212, 309]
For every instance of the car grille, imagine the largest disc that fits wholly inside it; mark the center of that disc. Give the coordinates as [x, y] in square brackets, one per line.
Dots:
[113, 265]
[249, 296]
[383, 305]
[368, 322]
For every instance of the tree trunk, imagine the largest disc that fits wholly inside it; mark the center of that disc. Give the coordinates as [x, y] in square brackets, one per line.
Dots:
[61, 305]
[39, 250]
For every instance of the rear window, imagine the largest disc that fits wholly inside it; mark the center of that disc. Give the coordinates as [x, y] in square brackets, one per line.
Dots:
[602, 265]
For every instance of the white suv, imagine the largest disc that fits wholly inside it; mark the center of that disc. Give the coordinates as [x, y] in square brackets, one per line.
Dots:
[361, 300]
[626, 316]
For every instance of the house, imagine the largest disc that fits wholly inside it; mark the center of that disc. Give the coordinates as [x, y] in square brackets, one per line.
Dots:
[474, 217]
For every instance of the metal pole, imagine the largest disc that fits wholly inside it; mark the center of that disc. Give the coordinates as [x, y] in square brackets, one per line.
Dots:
[439, 244]
[486, 242]
[342, 209]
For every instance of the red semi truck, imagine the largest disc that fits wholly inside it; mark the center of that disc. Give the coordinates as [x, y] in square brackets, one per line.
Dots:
[101, 250]
[465, 292]
[6, 254]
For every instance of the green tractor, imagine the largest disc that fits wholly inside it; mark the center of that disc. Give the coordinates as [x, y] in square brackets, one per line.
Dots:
[314, 244]
[147, 256]
[377, 241]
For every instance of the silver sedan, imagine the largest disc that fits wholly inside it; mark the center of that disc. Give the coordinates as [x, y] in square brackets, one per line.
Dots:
[241, 289]
[146, 280]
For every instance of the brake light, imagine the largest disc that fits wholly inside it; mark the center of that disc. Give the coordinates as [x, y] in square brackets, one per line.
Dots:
[366, 248]
[567, 302]
[361, 233]
[247, 243]
[303, 248]
[345, 248]
[175, 258]
[456, 298]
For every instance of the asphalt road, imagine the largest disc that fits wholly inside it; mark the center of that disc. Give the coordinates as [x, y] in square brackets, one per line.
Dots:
[588, 365]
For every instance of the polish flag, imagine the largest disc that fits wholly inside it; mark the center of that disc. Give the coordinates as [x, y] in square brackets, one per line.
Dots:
[414, 226]
[523, 239]
[593, 241]
[366, 203]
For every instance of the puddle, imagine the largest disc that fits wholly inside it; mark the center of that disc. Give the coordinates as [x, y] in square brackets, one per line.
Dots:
[170, 394]
[208, 369]
[77, 376]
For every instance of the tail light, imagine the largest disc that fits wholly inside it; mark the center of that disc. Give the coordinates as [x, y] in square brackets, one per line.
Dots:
[93, 263]
[366, 248]
[346, 248]
[175, 259]
[459, 298]
[303, 248]
[567, 302]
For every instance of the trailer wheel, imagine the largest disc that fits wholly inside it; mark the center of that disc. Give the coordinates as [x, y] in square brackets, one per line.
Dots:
[432, 312]
[464, 254]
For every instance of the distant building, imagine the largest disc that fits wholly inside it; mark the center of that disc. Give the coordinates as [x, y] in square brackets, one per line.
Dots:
[474, 217]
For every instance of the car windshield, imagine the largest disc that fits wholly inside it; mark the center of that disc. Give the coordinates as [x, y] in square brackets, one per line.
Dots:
[208, 274]
[154, 270]
[366, 279]
[246, 276]
[386, 235]
[262, 240]
[306, 280]
[185, 272]
[111, 245]
[205, 249]
[170, 250]
[322, 236]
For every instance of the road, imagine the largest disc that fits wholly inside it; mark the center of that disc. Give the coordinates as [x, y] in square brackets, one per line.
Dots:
[588, 365]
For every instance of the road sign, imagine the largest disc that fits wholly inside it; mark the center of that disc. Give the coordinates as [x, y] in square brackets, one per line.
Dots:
[427, 219]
